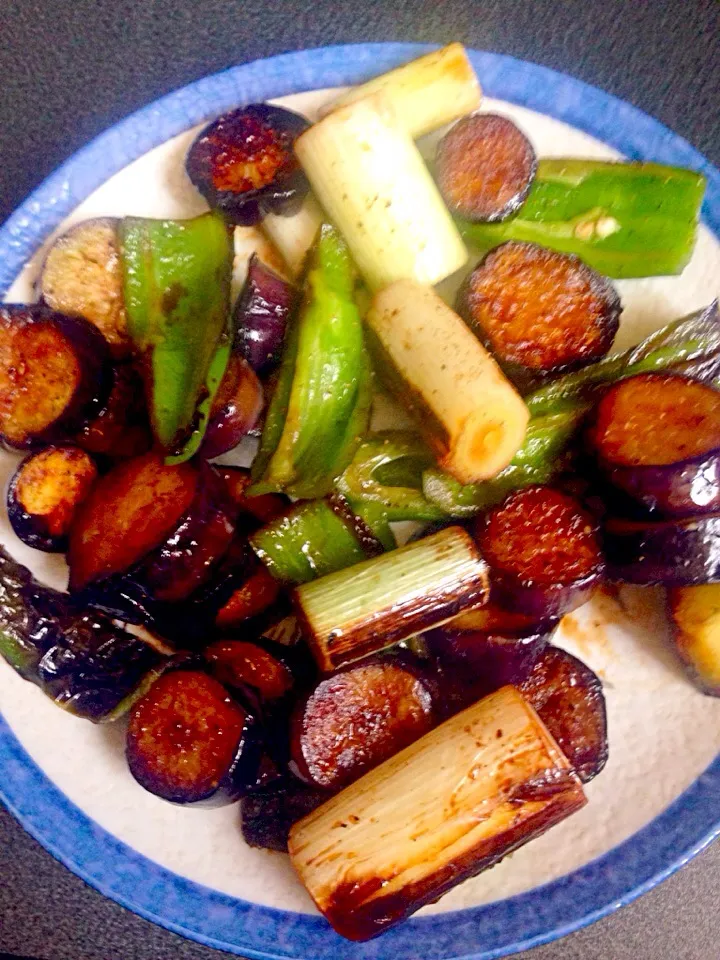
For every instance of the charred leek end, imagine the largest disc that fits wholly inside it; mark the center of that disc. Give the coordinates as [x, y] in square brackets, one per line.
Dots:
[311, 540]
[374, 604]
[468, 411]
[177, 298]
[695, 613]
[371, 180]
[295, 236]
[426, 93]
[322, 398]
[623, 219]
[537, 461]
[449, 806]
[690, 346]
[385, 477]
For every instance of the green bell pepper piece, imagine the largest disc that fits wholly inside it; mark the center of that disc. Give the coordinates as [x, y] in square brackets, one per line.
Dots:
[309, 541]
[623, 219]
[177, 298]
[384, 478]
[323, 394]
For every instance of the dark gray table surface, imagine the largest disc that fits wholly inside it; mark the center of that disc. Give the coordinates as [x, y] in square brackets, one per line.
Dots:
[70, 69]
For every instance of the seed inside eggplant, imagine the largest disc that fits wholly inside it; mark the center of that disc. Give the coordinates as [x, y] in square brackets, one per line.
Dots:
[188, 741]
[540, 312]
[485, 166]
[244, 165]
[569, 699]
[45, 493]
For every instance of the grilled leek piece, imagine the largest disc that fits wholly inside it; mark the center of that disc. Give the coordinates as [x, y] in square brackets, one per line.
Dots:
[444, 809]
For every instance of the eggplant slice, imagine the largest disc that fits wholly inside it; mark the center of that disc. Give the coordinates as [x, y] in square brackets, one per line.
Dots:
[45, 493]
[54, 374]
[569, 700]
[188, 741]
[656, 437]
[261, 316]
[695, 615]
[544, 552]
[235, 410]
[244, 165]
[540, 312]
[121, 429]
[485, 166]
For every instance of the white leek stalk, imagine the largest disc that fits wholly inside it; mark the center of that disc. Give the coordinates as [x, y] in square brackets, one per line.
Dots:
[371, 180]
[467, 409]
[425, 94]
[445, 808]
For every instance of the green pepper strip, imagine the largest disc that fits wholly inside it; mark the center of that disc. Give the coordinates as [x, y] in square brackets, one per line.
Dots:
[623, 219]
[323, 393]
[177, 298]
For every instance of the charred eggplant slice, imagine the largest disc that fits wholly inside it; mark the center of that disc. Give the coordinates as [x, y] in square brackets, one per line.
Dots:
[82, 661]
[260, 665]
[54, 374]
[485, 166]
[244, 165]
[82, 276]
[121, 429]
[676, 553]
[256, 595]
[189, 741]
[569, 700]
[235, 410]
[544, 552]
[45, 493]
[356, 719]
[540, 312]
[657, 438]
[263, 508]
[261, 316]
[695, 615]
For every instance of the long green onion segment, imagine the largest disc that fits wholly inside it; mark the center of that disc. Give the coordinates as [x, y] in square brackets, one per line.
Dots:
[384, 478]
[690, 345]
[177, 298]
[358, 611]
[321, 404]
[623, 219]
[537, 461]
[313, 540]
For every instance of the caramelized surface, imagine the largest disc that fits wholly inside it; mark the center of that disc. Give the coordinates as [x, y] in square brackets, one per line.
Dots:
[51, 485]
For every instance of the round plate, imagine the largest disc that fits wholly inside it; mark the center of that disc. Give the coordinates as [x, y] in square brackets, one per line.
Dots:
[216, 918]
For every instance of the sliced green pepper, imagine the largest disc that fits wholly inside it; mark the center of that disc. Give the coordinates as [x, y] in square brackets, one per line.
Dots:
[322, 401]
[177, 298]
[623, 219]
[310, 541]
[384, 478]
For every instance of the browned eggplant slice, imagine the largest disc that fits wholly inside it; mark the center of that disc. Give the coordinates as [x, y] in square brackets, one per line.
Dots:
[657, 438]
[260, 664]
[54, 374]
[256, 595]
[676, 553]
[189, 741]
[244, 165]
[45, 493]
[235, 410]
[538, 311]
[356, 719]
[695, 615]
[82, 276]
[544, 552]
[569, 700]
[485, 166]
[120, 430]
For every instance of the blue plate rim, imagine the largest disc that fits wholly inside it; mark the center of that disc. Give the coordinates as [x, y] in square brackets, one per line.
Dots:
[497, 929]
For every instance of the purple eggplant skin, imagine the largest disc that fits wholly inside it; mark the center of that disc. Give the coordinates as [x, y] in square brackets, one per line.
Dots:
[31, 415]
[542, 602]
[675, 553]
[684, 489]
[261, 137]
[261, 316]
[236, 410]
[469, 665]
[187, 559]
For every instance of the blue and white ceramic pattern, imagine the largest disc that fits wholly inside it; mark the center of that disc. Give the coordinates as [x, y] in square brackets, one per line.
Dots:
[214, 918]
